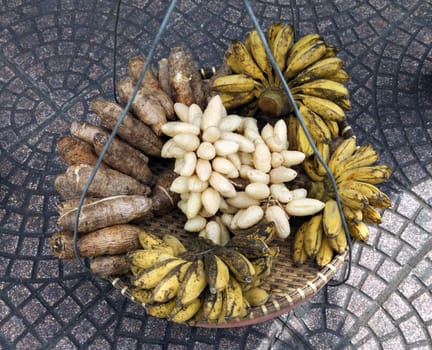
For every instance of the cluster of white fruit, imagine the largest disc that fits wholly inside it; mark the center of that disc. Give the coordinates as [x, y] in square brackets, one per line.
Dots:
[212, 150]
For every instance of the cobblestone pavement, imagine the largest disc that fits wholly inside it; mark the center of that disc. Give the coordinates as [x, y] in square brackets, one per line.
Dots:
[56, 56]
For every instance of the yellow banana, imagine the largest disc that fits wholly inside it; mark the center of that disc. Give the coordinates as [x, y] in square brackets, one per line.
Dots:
[272, 32]
[323, 107]
[235, 83]
[303, 144]
[265, 231]
[299, 253]
[371, 215]
[149, 240]
[217, 273]
[184, 313]
[262, 266]
[239, 265]
[324, 150]
[325, 253]
[144, 258]
[317, 190]
[341, 76]
[135, 270]
[304, 58]
[240, 61]
[323, 68]
[325, 88]
[233, 299]
[370, 174]
[351, 197]
[249, 247]
[168, 286]
[311, 171]
[338, 243]
[359, 231]
[150, 277]
[353, 215]
[144, 296]
[212, 306]
[193, 283]
[173, 242]
[300, 45]
[233, 100]
[281, 45]
[332, 221]
[375, 197]
[365, 155]
[341, 153]
[333, 126]
[313, 235]
[256, 296]
[161, 310]
[257, 50]
[316, 126]
[292, 127]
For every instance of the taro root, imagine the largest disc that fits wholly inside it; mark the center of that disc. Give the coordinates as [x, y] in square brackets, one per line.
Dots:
[106, 183]
[145, 107]
[76, 151]
[109, 265]
[124, 158]
[132, 130]
[107, 212]
[150, 85]
[163, 198]
[112, 240]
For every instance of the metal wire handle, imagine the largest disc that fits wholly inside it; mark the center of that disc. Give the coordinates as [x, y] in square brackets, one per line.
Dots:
[134, 93]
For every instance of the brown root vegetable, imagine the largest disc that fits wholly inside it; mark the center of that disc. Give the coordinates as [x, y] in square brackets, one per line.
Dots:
[150, 85]
[71, 204]
[86, 131]
[163, 198]
[124, 158]
[106, 183]
[132, 130]
[163, 76]
[109, 265]
[76, 151]
[146, 108]
[185, 79]
[107, 212]
[112, 240]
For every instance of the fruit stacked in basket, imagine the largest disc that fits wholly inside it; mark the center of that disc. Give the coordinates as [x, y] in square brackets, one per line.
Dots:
[210, 191]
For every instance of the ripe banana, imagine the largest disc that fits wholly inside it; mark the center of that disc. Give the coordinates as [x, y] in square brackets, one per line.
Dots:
[212, 306]
[249, 247]
[240, 266]
[169, 285]
[144, 296]
[325, 108]
[150, 277]
[281, 45]
[344, 151]
[374, 196]
[236, 99]
[323, 68]
[332, 221]
[161, 310]
[359, 230]
[173, 242]
[353, 215]
[324, 150]
[302, 142]
[313, 235]
[371, 215]
[240, 61]
[352, 198]
[301, 44]
[363, 156]
[316, 126]
[193, 283]
[256, 48]
[233, 299]
[304, 58]
[341, 76]
[339, 243]
[217, 273]
[299, 254]
[325, 253]
[256, 296]
[370, 174]
[182, 313]
[145, 258]
[235, 83]
[266, 231]
[151, 241]
[272, 32]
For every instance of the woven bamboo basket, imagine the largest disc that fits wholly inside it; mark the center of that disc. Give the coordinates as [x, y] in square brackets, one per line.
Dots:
[289, 284]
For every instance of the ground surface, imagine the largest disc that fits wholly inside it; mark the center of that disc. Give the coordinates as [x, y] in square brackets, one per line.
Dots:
[56, 57]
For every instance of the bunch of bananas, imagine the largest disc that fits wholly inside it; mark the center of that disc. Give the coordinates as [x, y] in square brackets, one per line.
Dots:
[208, 282]
[356, 173]
[313, 73]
